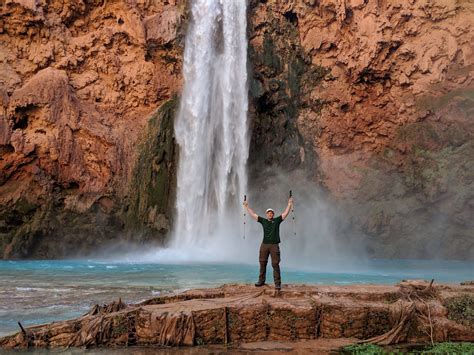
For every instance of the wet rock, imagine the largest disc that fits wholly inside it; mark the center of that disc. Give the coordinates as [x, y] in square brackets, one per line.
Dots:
[77, 89]
[374, 93]
[243, 314]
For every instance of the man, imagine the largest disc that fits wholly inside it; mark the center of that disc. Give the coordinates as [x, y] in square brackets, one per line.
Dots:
[271, 239]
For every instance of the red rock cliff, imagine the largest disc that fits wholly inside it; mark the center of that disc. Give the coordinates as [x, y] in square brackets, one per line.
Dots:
[372, 99]
[375, 100]
[80, 82]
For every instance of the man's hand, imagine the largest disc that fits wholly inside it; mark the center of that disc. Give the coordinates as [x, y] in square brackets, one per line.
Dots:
[250, 211]
[288, 208]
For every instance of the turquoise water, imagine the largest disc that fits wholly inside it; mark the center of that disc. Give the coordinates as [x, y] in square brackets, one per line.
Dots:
[35, 292]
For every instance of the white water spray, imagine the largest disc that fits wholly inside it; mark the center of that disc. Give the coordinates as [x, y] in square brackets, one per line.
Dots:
[211, 127]
[212, 132]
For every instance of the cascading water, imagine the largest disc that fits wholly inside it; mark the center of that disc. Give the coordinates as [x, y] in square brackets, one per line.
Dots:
[211, 126]
[211, 129]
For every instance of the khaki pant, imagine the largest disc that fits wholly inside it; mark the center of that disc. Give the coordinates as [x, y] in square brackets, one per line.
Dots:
[274, 251]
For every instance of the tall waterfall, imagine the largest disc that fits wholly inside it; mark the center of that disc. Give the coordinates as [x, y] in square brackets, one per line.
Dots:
[211, 126]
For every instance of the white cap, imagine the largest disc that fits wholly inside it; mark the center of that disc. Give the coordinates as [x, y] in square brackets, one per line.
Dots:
[270, 210]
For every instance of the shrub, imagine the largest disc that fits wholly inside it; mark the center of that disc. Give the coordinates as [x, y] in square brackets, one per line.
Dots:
[450, 348]
[366, 349]
[461, 309]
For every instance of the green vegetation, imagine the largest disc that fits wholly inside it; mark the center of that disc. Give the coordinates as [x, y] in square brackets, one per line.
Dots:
[153, 173]
[438, 348]
[462, 97]
[317, 73]
[420, 135]
[366, 349]
[280, 49]
[119, 326]
[450, 348]
[255, 88]
[296, 69]
[461, 309]
[270, 57]
[24, 207]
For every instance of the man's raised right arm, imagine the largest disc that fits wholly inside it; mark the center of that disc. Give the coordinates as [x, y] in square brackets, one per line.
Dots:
[250, 211]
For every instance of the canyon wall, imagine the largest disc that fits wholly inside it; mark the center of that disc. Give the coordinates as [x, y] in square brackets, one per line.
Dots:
[372, 100]
[86, 139]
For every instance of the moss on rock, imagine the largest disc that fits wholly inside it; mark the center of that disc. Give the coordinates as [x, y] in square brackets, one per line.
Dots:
[152, 187]
[461, 309]
[278, 88]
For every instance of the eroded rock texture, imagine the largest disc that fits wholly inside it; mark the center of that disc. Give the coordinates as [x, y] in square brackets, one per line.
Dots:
[374, 99]
[80, 85]
[414, 312]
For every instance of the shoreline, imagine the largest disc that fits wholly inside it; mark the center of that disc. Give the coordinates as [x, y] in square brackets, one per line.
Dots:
[412, 312]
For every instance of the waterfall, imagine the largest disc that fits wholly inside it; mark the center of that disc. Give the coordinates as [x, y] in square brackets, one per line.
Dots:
[211, 126]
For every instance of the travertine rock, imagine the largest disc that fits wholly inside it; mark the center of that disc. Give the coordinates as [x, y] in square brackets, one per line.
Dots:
[79, 82]
[380, 96]
[243, 314]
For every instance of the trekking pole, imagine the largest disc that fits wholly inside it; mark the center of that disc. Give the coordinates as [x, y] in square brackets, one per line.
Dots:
[245, 213]
[293, 215]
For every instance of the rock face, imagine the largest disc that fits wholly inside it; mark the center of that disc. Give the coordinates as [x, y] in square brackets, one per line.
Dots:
[80, 81]
[375, 101]
[414, 312]
[372, 100]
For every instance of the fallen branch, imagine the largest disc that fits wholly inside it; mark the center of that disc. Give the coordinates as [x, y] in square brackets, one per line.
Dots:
[22, 329]
[399, 332]
[413, 291]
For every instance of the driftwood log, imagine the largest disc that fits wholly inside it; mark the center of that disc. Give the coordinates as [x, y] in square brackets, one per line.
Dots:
[411, 312]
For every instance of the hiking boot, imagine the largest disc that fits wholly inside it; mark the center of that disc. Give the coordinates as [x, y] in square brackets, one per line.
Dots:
[260, 283]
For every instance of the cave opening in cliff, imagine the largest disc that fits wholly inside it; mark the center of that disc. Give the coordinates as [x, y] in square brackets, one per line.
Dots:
[264, 104]
[21, 122]
[291, 17]
[6, 148]
[370, 76]
[72, 185]
[22, 114]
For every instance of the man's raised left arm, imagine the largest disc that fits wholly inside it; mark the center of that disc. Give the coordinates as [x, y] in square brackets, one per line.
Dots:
[288, 207]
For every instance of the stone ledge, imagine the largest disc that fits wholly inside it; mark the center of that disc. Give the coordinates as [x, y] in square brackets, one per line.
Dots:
[245, 314]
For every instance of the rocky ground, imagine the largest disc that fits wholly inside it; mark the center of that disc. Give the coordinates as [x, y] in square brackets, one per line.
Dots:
[411, 312]
[371, 101]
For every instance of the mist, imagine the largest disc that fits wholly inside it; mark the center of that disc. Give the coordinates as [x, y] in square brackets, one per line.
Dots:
[310, 237]
[212, 131]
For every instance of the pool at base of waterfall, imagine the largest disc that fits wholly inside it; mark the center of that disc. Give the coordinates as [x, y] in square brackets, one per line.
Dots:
[42, 291]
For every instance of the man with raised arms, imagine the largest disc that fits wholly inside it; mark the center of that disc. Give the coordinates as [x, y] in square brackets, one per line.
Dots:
[270, 244]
